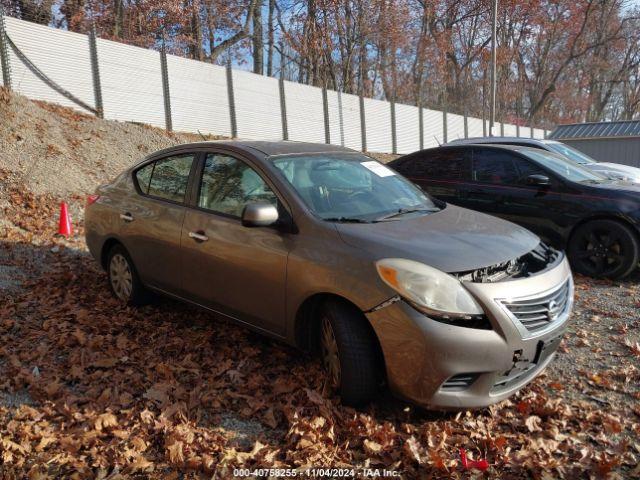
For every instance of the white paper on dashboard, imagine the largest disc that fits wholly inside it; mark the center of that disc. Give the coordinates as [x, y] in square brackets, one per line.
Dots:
[378, 169]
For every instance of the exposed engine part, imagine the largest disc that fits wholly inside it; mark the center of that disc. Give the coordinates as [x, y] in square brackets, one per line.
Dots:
[529, 264]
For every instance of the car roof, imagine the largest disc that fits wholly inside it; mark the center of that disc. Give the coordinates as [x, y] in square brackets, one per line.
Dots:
[497, 146]
[499, 140]
[268, 148]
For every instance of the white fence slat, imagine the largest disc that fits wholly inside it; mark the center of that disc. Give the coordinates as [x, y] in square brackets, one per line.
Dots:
[433, 128]
[455, 126]
[351, 120]
[407, 128]
[257, 100]
[475, 128]
[199, 100]
[305, 116]
[131, 83]
[378, 121]
[510, 130]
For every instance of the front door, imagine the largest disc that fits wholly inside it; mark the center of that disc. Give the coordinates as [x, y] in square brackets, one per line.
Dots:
[499, 187]
[230, 268]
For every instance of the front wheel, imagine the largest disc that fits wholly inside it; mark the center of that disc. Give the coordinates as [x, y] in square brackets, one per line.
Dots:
[604, 248]
[350, 353]
[123, 278]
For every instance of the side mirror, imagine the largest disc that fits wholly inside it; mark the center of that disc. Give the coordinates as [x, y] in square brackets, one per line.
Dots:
[538, 180]
[259, 215]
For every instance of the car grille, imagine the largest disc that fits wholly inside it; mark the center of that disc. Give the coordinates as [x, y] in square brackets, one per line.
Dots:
[459, 382]
[536, 313]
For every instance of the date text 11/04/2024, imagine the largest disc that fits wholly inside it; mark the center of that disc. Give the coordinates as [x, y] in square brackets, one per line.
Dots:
[317, 473]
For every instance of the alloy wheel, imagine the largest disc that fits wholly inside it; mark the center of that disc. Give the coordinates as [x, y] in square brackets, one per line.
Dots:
[121, 277]
[600, 252]
[330, 357]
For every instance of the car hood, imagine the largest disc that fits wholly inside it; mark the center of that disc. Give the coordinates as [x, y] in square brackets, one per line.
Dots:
[627, 170]
[452, 240]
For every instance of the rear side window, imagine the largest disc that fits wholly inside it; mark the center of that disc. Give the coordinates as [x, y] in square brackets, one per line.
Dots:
[166, 178]
[493, 166]
[437, 164]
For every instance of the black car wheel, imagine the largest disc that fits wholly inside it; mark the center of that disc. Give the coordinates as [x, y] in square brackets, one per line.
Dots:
[349, 353]
[123, 278]
[604, 248]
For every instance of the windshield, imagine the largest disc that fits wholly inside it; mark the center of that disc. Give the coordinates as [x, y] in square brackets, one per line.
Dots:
[571, 153]
[563, 167]
[352, 187]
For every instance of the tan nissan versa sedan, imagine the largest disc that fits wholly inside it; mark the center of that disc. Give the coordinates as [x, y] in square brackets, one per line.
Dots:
[329, 250]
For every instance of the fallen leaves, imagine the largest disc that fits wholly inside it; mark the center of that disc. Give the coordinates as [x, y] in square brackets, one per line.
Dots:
[166, 391]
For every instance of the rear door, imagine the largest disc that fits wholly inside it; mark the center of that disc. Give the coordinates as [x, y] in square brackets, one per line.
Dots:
[230, 268]
[152, 219]
[440, 172]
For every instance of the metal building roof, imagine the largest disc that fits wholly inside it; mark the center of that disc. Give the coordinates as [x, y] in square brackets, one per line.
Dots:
[630, 128]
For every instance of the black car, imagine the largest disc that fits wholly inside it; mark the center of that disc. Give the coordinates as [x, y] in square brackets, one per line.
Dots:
[597, 220]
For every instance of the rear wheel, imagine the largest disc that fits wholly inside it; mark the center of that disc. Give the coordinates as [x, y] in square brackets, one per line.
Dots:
[349, 353]
[123, 278]
[604, 248]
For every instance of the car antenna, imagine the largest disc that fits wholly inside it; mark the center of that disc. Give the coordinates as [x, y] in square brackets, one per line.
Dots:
[437, 141]
[203, 137]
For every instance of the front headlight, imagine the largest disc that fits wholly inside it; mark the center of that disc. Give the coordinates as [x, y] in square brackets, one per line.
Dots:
[434, 292]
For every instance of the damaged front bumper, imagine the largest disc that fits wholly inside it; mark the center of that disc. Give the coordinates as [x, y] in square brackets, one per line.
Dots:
[439, 365]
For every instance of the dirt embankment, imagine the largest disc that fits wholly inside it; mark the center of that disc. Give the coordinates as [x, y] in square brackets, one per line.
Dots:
[56, 150]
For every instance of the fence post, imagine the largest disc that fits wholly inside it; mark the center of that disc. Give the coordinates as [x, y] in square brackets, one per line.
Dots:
[502, 129]
[341, 118]
[363, 124]
[466, 123]
[518, 129]
[165, 89]
[325, 113]
[444, 124]
[232, 103]
[531, 128]
[421, 125]
[95, 71]
[4, 52]
[394, 132]
[283, 109]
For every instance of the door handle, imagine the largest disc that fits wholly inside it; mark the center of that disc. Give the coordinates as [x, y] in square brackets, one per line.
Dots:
[127, 217]
[198, 236]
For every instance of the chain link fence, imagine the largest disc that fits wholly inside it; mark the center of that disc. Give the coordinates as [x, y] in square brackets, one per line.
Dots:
[126, 83]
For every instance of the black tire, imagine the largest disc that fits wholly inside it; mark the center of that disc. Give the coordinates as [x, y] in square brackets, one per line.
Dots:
[357, 351]
[604, 249]
[136, 294]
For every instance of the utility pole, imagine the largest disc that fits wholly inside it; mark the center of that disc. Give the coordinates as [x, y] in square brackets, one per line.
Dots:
[492, 105]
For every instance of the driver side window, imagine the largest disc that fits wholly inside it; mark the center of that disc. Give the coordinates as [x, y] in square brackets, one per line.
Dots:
[228, 184]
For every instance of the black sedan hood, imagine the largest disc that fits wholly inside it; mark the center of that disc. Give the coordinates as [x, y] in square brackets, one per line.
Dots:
[452, 240]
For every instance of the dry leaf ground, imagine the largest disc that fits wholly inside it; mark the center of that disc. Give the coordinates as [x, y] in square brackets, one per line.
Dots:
[92, 389]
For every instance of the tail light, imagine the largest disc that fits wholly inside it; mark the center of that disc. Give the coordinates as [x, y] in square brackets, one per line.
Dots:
[91, 199]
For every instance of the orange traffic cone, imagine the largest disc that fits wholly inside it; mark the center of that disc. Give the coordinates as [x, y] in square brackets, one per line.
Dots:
[65, 228]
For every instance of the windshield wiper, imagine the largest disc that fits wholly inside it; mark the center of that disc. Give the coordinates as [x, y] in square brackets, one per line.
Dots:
[403, 211]
[345, 220]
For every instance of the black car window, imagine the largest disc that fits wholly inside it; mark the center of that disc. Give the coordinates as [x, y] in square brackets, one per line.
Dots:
[229, 184]
[494, 166]
[526, 168]
[166, 178]
[446, 164]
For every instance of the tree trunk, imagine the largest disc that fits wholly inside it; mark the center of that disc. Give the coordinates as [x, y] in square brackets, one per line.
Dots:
[270, 38]
[258, 44]
[118, 18]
